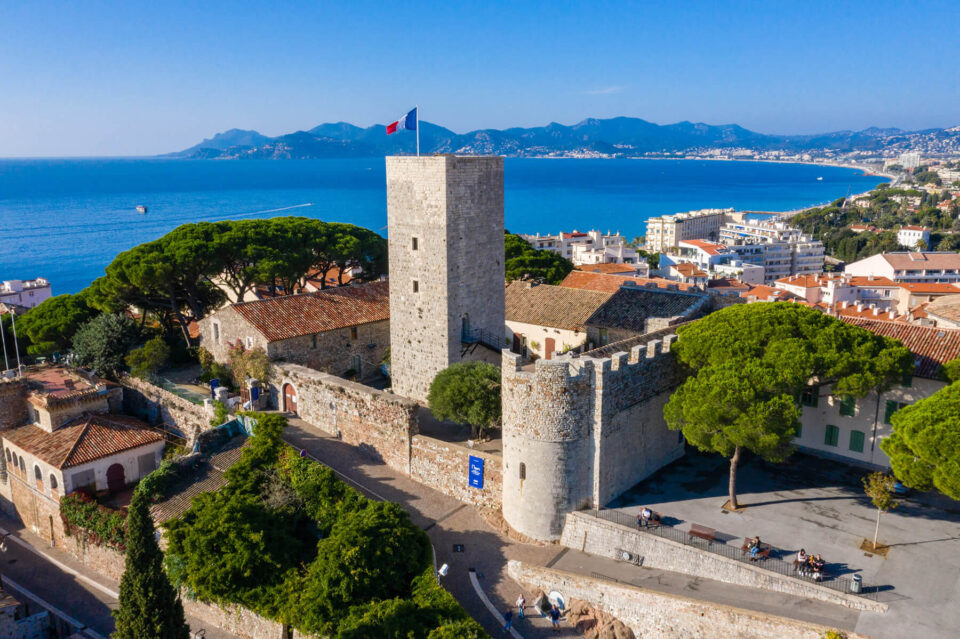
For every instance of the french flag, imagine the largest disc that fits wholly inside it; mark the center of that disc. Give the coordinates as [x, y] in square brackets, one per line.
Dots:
[407, 122]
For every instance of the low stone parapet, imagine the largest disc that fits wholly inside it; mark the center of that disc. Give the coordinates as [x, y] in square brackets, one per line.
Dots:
[657, 615]
[582, 531]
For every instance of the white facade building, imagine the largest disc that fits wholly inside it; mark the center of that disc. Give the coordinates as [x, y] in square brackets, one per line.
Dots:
[911, 236]
[592, 247]
[919, 266]
[781, 249]
[27, 293]
[910, 159]
[664, 232]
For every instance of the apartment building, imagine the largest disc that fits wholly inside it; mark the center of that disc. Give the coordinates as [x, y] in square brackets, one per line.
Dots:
[781, 249]
[912, 236]
[664, 232]
[917, 266]
[592, 247]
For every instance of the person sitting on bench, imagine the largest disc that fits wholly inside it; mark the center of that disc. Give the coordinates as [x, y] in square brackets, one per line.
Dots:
[818, 564]
[643, 519]
[754, 547]
[800, 560]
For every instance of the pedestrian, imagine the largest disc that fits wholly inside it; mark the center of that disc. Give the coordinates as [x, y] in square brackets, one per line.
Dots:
[555, 617]
[644, 518]
[508, 618]
[521, 604]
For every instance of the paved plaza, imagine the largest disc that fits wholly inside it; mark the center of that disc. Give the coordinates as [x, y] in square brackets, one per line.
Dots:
[819, 505]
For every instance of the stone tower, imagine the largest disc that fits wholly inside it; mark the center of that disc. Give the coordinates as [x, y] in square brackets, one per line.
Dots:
[445, 224]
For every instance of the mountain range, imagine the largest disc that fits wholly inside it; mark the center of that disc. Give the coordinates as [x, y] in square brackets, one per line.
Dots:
[614, 137]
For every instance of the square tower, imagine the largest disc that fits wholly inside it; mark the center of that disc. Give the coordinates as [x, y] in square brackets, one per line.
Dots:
[445, 237]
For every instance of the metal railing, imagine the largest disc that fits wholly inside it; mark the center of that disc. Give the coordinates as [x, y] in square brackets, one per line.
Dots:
[481, 336]
[774, 563]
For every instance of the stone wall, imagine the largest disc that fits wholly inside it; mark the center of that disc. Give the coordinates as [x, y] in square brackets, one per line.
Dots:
[579, 430]
[337, 351]
[657, 615]
[378, 422]
[444, 466]
[241, 621]
[445, 219]
[586, 533]
[13, 404]
[157, 406]
[222, 329]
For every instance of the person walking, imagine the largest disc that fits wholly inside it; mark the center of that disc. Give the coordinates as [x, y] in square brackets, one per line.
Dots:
[555, 617]
[521, 604]
[508, 619]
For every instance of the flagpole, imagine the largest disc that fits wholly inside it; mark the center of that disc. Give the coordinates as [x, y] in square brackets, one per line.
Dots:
[3, 336]
[13, 321]
[418, 130]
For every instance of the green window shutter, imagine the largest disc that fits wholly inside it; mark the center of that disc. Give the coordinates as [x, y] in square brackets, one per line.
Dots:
[890, 409]
[856, 441]
[832, 436]
[809, 396]
[848, 405]
[799, 431]
[907, 380]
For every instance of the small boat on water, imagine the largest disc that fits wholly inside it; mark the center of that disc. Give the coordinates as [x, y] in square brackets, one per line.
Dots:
[141, 208]
[819, 179]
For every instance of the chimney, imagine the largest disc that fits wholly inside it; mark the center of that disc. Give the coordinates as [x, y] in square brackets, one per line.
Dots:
[892, 315]
[876, 312]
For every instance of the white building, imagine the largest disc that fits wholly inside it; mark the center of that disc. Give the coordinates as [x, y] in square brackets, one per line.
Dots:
[718, 260]
[26, 293]
[918, 266]
[851, 429]
[664, 232]
[781, 249]
[911, 236]
[910, 160]
[592, 247]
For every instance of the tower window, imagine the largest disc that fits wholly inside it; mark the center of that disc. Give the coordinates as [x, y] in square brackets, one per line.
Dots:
[523, 470]
[416, 286]
[353, 332]
[414, 243]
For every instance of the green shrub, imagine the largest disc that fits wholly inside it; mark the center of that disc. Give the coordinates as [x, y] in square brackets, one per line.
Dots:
[83, 516]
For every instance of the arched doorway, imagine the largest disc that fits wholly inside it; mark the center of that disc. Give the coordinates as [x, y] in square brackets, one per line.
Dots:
[116, 480]
[289, 398]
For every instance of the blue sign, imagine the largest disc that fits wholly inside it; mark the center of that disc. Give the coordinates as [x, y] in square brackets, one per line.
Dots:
[476, 472]
[214, 385]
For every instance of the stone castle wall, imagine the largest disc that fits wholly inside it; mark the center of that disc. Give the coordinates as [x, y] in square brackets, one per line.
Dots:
[157, 406]
[336, 351]
[658, 615]
[386, 427]
[445, 219]
[577, 431]
[444, 466]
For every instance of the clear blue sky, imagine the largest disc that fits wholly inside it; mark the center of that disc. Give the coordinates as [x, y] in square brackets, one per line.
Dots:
[135, 78]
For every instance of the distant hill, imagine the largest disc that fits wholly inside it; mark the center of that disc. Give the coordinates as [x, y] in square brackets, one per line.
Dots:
[614, 137]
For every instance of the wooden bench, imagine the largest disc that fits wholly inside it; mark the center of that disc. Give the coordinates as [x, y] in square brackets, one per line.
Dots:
[762, 553]
[696, 530]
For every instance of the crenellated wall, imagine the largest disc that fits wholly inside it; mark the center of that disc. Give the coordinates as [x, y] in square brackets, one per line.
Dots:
[579, 430]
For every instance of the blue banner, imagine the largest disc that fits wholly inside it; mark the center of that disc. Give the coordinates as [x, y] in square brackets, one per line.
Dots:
[476, 472]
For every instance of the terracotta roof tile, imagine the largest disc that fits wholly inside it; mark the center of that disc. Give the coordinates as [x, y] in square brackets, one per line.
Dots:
[553, 306]
[923, 260]
[768, 293]
[278, 318]
[946, 307]
[630, 307]
[710, 248]
[84, 439]
[930, 287]
[930, 346]
[627, 269]
[688, 270]
[611, 283]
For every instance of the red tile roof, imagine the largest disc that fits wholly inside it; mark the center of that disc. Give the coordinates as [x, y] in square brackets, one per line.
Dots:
[59, 382]
[278, 318]
[688, 270]
[803, 281]
[567, 236]
[872, 281]
[612, 283]
[728, 283]
[84, 439]
[553, 306]
[710, 248]
[931, 287]
[913, 228]
[608, 268]
[922, 260]
[769, 294]
[930, 346]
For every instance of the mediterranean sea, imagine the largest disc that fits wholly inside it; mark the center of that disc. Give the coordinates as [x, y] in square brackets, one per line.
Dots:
[66, 219]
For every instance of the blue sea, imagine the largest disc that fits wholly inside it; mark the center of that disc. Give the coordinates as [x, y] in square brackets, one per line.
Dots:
[66, 219]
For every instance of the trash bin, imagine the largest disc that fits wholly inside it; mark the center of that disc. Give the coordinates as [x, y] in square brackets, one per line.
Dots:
[857, 584]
